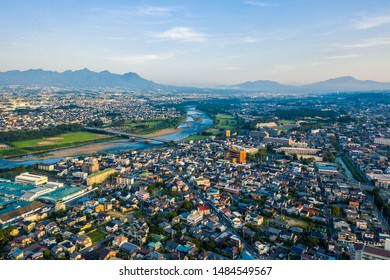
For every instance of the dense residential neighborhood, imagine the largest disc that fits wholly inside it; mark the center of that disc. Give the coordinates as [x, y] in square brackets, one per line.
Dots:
[302, 178]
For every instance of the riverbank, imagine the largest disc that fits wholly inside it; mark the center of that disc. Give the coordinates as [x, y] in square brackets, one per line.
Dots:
[163, 132]
[50, 146]
[187, 128]
[85, 149]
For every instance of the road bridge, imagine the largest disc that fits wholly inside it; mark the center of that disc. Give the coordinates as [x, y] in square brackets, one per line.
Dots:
[130, 135]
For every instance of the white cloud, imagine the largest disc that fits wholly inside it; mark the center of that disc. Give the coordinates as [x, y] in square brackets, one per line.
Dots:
[141, 58]
[341, 56]
[259, 4]
[250, 40]
[373, 42]
[181, 34]
[156, 10]
[370, 22]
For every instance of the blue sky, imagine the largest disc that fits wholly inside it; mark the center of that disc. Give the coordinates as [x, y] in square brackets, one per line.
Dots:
[201, 42]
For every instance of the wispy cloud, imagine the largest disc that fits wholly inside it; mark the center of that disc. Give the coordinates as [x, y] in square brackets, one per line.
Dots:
[141, 58]
[249, 40]
[373, 42]
[370, 22]
[282, 67]
[184, 34]
[259, 4]
[156, 10]
[340, 56]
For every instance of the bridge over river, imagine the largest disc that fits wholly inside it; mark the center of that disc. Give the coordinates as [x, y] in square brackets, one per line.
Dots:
[130, 135]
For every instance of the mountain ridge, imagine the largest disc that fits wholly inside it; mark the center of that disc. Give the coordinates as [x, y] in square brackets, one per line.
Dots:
[85, 78]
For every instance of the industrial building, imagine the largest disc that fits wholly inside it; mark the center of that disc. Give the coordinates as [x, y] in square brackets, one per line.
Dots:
[27, 178]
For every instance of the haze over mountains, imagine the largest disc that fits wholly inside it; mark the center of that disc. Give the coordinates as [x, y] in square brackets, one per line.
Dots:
[341, 84]
[88, 79]
[81, 78]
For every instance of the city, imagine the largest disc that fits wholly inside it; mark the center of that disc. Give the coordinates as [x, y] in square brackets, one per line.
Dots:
[299, 177]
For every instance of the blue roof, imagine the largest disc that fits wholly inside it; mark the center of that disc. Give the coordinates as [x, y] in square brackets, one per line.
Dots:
[10, 188]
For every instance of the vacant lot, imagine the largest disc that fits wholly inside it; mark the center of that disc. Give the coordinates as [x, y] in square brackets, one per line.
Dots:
[96, 236]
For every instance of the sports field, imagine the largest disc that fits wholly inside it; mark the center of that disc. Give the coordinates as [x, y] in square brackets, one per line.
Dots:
[69, 138]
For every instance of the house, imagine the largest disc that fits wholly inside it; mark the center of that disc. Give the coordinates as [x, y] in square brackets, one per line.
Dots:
[84, 241]
[254, 219]
[112, 227]
[16, 254]
[67, 246]
[261, 248]
[194, 218]
[273, 231]
[99, 208]
[106, 254]
[75, 256]
[130, 249]
[298, 250]
[205, 210]
[287, 236]
[119, 240]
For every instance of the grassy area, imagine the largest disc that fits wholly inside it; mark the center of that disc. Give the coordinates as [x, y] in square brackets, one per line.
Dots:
[61, 139]
[356, 174]
[41, 145]
[147, 127]
[96, 236]
[285, 122]
[224, 121]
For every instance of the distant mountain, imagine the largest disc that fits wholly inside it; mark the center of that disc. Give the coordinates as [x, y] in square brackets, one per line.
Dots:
[88, 79]
[341, 84]
[80, 78]
[263, 85]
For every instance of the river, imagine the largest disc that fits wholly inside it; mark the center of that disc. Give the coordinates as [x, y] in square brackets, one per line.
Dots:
[187, 128]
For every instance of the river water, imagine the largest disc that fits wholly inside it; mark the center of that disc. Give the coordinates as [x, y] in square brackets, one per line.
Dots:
[187, 128]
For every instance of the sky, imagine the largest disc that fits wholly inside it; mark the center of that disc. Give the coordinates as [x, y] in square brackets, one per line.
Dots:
[201, 42]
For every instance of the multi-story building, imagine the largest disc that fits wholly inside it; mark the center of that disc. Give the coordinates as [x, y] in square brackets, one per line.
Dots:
[382, 141]
[142, 195]
[235, 155]
[194, 218]
[363, 252]
[46, 167]
[90, 166]
[99, 177]
[298, 151]
[277, 140]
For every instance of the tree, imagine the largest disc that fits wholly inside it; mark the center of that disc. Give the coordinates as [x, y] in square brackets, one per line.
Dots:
[335, 211]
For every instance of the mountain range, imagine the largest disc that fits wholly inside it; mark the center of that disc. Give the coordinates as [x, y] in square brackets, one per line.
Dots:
[81, 78]
[88, 79]
[341, 84]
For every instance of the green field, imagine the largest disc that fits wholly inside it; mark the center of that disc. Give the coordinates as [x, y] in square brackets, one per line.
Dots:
[96, 236]
[285, 122]
[61, 139]
[147, 127]
[222, 122]
[42, 145]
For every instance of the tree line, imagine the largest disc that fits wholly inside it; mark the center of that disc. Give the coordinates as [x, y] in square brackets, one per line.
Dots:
[11, 136]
